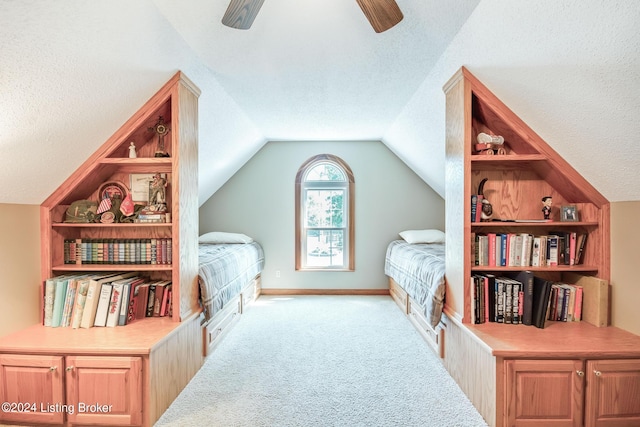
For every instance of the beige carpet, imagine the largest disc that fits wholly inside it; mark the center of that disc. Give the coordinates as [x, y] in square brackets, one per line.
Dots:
[322, 361]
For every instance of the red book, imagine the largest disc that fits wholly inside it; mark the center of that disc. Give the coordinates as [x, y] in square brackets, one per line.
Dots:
[572, 248]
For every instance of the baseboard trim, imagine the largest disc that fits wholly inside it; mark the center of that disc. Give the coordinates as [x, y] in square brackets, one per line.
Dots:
[275, 291]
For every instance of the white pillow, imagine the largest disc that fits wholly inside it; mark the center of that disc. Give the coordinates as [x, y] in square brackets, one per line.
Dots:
[217, 237]
[423, 236]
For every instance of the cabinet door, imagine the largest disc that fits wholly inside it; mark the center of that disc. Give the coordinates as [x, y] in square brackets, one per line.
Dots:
[32, 387]
[104, 390]
[543, 393]
[613, 393]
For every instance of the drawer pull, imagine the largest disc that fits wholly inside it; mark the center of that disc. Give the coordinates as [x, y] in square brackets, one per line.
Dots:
[580, 373]
[597, 373]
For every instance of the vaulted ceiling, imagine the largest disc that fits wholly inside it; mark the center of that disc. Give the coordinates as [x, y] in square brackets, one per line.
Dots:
[72, 72]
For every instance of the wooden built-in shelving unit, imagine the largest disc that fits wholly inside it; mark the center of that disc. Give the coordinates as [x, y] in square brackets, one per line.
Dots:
[138, 368]
[567, 374]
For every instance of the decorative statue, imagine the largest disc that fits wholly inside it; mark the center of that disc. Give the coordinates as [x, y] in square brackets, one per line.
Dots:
[487, 209]
[132, 151]
[161, 129]
[158, 186]
[547, 201]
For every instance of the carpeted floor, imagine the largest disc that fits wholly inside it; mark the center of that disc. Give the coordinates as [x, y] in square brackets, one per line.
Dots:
[309, 361]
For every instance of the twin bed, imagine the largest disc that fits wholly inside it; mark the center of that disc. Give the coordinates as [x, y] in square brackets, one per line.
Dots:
[415, 266]
[230, 265]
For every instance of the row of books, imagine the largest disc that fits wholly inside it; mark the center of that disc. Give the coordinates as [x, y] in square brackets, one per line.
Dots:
[117, 251]
[522, 298]
[524, 250]
[104, 299]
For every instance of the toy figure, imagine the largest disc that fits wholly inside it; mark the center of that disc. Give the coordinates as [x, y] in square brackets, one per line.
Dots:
[158, 186]
[546, 208]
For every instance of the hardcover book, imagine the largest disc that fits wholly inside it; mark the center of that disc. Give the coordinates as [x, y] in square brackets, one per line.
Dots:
[113, 312]
[541, 295]
[104, 301]
[526, 279]
[81, 297]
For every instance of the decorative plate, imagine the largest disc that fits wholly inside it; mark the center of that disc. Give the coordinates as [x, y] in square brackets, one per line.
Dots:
[112, 189]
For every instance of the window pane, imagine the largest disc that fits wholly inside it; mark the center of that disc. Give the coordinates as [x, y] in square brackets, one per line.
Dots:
[324, 208]
[325, 248]
[325, 172]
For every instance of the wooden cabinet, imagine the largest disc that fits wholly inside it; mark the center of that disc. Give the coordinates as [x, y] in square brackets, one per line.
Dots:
[32, 386]
[516, 374]
[613, 390]
[544, 392]
[138, 369]
[118, 399]
[572, 392]
[55, 389]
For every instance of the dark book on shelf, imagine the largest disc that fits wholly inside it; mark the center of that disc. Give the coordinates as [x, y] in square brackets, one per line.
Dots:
[526, 279]
[541, 294]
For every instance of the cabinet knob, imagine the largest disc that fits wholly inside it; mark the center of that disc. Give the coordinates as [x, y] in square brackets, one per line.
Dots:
[53, 368]
[580, 373]
[597, 373]
[70, 368]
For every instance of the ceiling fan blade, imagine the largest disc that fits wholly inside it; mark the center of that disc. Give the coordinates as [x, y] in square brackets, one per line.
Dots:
[241, 13]
[382, 14]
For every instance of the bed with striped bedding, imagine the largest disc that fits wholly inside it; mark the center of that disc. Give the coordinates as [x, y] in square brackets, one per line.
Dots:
[225, 269]
[419, 268]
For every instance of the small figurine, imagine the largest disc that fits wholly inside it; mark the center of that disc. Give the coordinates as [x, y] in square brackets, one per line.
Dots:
[487, 209]
[158, 186]
[132, 150]
[547, 201]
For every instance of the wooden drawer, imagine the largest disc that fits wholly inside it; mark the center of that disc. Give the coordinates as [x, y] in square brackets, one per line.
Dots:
[217, 328]
[249, 294]
[399, 296]
[433, 337]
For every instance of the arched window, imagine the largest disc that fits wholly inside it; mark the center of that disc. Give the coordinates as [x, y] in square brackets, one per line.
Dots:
[324, 215]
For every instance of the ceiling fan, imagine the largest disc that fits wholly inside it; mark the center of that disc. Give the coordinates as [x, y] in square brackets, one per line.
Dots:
[382, 14]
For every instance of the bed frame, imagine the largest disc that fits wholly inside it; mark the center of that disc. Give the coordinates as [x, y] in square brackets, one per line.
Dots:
[222, 322]
[415, 312]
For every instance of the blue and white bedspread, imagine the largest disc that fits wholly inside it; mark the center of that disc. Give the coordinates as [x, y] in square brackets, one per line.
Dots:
[420, 270]
[224, 270]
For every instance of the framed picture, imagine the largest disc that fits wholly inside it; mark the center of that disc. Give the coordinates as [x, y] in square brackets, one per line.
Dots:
[140, 183]
[569, 213]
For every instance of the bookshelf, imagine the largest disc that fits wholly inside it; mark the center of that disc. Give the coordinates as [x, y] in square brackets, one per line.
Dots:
[517, 374]
[141, 367]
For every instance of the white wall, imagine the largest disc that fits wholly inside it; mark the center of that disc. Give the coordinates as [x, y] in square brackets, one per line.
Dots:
[259, 201]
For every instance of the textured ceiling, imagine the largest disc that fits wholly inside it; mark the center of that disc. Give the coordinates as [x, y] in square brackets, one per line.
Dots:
[72, 71]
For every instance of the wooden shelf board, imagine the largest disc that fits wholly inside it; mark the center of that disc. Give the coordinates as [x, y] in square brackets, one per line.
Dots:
[557, 268]
[113, 267]
[508, 158]
[114, 225]
[557, 339]
[139, 337]
[502, 224]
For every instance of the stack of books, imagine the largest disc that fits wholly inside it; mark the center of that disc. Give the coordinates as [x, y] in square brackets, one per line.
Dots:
[522, 298]
[117, 251]
[104, 299]
[527, 250]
